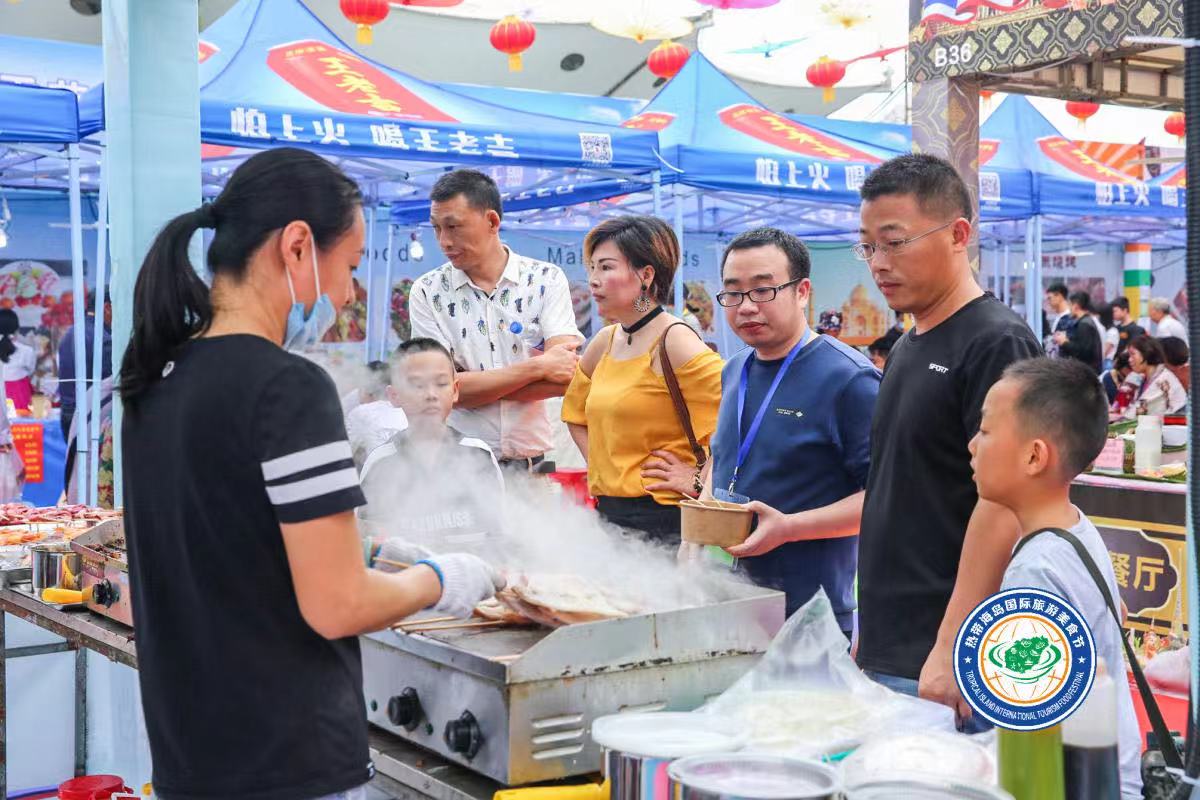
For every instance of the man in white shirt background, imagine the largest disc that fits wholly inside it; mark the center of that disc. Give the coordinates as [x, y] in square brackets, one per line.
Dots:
[507, 320]
[371, 416]
[1058, 314]
[1165, 323]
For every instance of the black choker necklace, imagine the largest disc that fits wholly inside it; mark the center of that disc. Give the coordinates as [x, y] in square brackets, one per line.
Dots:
[641, 323]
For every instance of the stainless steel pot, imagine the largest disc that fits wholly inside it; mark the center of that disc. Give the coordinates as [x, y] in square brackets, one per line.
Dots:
[752, 777]
[54, 566]
[638, 748]
[932, 789]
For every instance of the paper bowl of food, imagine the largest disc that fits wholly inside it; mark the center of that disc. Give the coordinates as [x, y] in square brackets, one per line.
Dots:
[715, 522]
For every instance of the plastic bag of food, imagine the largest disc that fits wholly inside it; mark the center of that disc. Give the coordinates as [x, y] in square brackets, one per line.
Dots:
[919, 755]
[1170, 670]
[807, 697]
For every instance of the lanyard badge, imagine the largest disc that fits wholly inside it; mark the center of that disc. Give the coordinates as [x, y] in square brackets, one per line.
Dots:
[746, 442]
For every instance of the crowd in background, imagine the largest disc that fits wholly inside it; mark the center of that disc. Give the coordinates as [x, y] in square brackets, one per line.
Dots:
[1143, 371]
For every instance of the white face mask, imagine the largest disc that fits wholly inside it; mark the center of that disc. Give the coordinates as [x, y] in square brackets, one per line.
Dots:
[306, 328]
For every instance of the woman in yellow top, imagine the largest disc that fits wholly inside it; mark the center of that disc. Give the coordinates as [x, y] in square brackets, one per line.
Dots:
[618, 407]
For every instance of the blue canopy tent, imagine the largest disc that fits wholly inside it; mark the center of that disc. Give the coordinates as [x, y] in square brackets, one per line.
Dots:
[717, 138]
[272, 74]
[38, 115]
[1169, 188]
[758, 167]
[43, 123]
[59, 65]
[49, 62]
[567, 105]
[1074, 195]
[1067, 181]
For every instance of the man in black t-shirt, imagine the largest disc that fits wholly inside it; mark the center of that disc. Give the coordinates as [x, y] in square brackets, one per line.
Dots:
[929, 549]
[1126, 325]
[1081, 339]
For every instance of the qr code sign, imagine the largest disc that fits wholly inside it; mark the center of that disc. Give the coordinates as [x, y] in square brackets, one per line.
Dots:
[989, 187]
[596, 148]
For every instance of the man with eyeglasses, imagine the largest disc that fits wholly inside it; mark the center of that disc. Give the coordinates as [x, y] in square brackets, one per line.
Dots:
[929, 549]
[793, 432]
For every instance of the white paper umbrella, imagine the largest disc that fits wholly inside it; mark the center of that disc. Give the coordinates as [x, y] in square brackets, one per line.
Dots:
[643, 20]
[776, 45]
[578, 12]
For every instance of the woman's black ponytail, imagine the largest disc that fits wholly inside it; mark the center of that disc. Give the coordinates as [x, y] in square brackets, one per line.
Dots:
[265, 194]
[171, 305]
[10, 323]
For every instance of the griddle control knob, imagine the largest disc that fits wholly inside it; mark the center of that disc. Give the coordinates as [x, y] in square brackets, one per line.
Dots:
[463, 735]
[105, 594]
[404, 709]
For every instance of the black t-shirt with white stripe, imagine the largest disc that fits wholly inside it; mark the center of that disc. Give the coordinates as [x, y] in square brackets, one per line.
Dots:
[243, 700]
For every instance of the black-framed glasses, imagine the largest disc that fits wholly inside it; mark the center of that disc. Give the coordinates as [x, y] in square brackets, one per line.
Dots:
[759, 294]
[865, 251]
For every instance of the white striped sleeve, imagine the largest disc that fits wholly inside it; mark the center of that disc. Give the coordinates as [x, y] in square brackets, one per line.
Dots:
[307, 464]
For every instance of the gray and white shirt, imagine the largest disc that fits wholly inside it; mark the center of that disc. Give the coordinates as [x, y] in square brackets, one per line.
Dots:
[1050, 563]
[530, 305]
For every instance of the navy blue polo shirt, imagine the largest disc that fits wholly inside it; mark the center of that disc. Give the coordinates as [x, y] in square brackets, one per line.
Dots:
[813, 449]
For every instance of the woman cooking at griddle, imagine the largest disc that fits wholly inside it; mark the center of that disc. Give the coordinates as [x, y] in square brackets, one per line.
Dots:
[246, 569]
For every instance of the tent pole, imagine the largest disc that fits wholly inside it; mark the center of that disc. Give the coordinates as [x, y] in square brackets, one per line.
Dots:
[1037, 273]
[1006, 292]
[678, 203]
[656, 185]
[369, 286]
[98, 331]
[1033, 274]
[79, 291]
[387, 290]
[1027, 266]
[995, 270]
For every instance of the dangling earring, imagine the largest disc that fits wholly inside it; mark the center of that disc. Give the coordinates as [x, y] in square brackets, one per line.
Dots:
[643, 303]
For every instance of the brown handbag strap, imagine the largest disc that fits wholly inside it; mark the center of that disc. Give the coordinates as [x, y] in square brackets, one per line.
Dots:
[681, 409]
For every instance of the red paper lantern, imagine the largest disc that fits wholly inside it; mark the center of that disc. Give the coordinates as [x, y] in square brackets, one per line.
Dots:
[1176, 125]
[825, 72]
[667, 59]
[364, 14]
[514, 36]
[1082, 110]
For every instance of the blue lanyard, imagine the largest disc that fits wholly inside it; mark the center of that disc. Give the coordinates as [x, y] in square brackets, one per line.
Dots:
[747, 442]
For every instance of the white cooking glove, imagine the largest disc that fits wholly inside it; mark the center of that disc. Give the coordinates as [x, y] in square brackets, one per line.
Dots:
[467, 580]
[396, 550]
